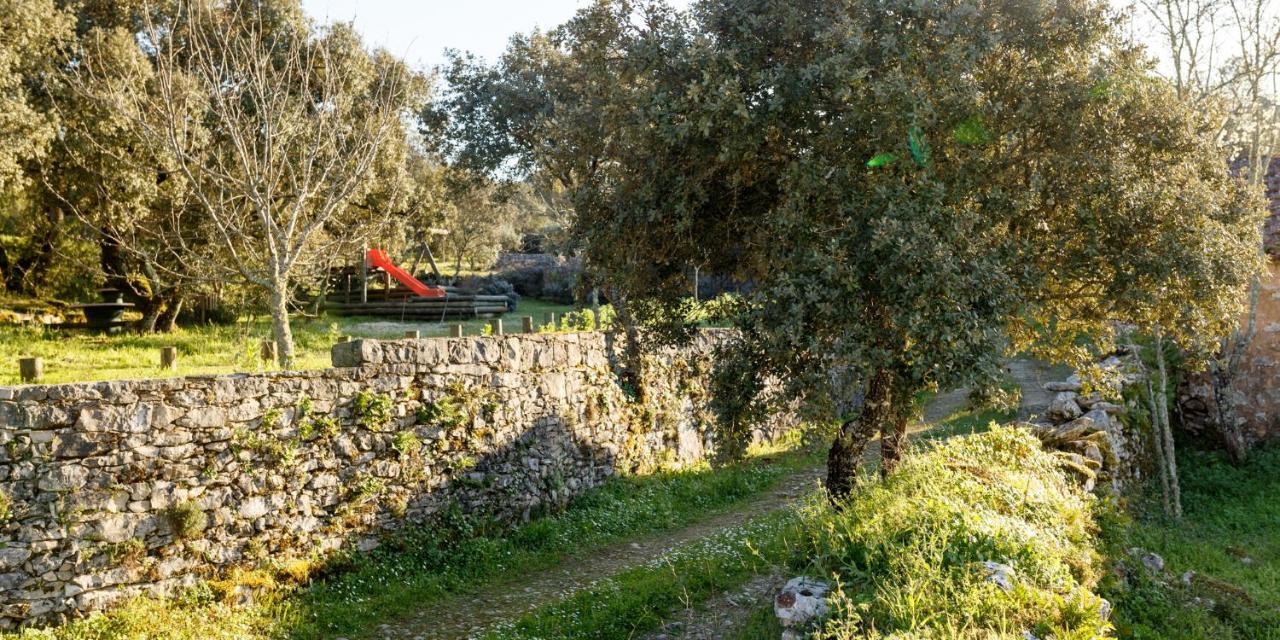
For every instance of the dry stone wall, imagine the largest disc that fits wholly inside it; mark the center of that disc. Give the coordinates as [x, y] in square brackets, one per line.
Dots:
[113, 489]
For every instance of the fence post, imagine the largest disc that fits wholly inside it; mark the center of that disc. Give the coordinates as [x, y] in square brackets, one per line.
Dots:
[413, 335]
[169, 358]
[455, 331]
[496, 325]
[526, 324]
[549, 318]
[30, 369]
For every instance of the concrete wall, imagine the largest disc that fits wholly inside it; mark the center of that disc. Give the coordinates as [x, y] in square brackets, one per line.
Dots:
[118, 488]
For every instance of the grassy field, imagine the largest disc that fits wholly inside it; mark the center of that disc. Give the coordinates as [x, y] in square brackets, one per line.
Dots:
[78, 356]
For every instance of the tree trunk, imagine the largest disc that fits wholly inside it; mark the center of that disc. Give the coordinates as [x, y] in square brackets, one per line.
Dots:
[431, 259]
[150, 308]
[280, 322]
[168, 320]
[893, 439]
[1162, 405]
[29, 271]
[882, 412]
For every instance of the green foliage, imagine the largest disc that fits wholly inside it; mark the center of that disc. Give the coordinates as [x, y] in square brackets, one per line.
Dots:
[585, 319]
[32, 31]
[6, 504]
[126, 553]
[372, 410]
[283, 453]
[906, 552]
[1024, 208]
[185, 519]
[1003, 395]
[448, 412]
[407, 443]
[303, 408]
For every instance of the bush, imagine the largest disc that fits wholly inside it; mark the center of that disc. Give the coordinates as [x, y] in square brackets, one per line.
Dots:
[910, 553]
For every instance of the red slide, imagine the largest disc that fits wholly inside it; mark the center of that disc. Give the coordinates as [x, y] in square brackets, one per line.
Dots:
[378, 258]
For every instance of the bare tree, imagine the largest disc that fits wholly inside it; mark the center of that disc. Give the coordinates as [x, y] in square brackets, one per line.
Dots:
[1227, 51]
[290, 122]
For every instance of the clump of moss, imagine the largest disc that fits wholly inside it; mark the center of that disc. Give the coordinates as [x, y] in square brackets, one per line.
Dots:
[6, 505]
[185, 519]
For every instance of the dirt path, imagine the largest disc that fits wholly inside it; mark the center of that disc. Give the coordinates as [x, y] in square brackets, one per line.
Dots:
[470, 614]
[467, 615]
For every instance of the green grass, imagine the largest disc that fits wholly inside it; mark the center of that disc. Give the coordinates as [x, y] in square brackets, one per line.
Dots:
[78, 356]
[1230, 514]
[353, 594]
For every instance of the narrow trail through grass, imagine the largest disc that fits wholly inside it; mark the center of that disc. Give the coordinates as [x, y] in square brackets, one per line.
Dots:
[734, 588]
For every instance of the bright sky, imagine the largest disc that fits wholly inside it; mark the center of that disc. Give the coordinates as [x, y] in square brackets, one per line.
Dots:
[420, 30]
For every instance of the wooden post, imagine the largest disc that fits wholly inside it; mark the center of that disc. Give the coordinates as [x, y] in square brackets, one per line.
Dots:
[455, 331]
[526, 324]
[169, 358]
[30, 369]
[549, 317]
[413, 335]
[268, 351]
[496, 325]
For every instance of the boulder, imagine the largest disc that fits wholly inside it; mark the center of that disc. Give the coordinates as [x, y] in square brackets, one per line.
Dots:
[801, 602]
[999, 574]
[1064, 406]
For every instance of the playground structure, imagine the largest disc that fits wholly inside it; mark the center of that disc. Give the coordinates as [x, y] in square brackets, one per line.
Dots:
[381, 288]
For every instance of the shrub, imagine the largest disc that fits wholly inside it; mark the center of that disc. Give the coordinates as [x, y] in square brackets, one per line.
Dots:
[910, 552]
[127, 553]
[185, 519]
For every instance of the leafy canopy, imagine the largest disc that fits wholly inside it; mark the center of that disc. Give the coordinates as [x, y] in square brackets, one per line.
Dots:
[912, 187]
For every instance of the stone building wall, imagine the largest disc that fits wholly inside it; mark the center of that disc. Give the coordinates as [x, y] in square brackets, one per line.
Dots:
[113, 489]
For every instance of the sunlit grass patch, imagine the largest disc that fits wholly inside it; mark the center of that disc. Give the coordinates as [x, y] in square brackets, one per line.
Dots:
[77, 356]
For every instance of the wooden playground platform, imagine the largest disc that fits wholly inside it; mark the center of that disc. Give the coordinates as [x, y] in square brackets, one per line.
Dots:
[350, 295]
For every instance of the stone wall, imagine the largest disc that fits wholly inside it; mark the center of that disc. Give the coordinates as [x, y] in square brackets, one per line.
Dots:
[118, 488]
[1115, 409]
[1255, 390]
